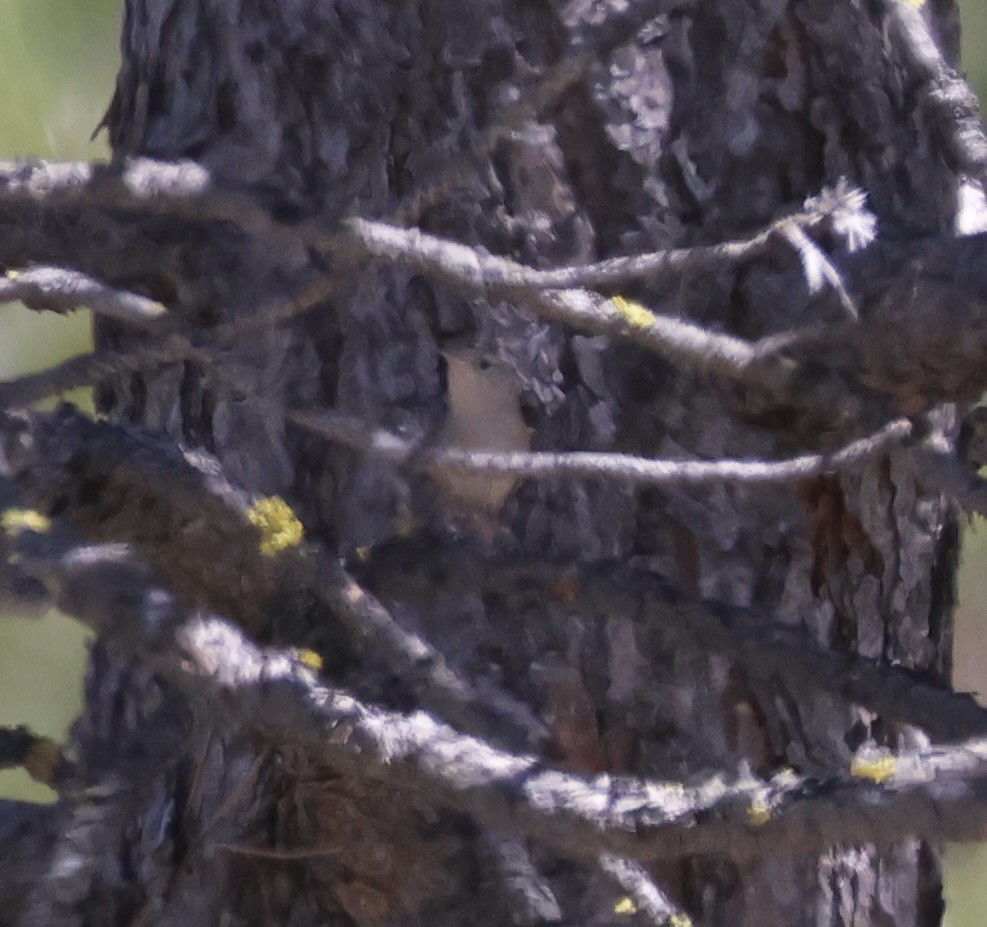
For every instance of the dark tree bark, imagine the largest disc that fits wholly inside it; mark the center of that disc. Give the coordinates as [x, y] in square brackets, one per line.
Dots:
[672, 632]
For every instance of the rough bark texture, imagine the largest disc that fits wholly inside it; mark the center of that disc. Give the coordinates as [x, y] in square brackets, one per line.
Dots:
[719, 117]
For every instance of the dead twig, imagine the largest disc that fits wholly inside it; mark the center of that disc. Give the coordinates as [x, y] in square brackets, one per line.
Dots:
[559, 465]
[60, 290]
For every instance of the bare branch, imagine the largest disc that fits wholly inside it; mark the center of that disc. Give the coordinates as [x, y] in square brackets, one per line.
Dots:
[583, 818]
[277, 311]
[818, 267]
[464, 268]
[82, 370]
[477, 270]
[751, 638]
[759, 643]
[935, 793]
[587, 464]
[86, 369]
[61, 290]
[646, 897]
[222, 564]
[419, 664]
[841, 209]
[148, 187]
[185, 189]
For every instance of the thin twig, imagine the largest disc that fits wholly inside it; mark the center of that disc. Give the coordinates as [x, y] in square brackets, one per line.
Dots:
[587, 464]
[419, 665]
[817, 266]
[274, 854]
[277, 311]
[478, 270]
[85, 370]
[646, 896]
[236, 577]
[61, 290]
[352, 433]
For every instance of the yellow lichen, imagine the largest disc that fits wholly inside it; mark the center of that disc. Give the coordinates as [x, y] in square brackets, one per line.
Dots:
[758, 813]
[680, 920]
[876, 768]
[625, 907]
[12, 274]
[278, 525]
[636, 315]
[17, 521]
[310, 659]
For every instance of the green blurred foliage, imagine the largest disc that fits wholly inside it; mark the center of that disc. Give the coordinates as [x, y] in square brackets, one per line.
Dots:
[57, 63]
[966, 864]
[974, 22]
[58, 60]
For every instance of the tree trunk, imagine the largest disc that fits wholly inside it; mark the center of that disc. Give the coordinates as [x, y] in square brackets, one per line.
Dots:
[711, 121]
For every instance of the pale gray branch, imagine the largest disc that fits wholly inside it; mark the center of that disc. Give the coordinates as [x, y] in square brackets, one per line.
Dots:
[647, 897]
[588, 464]
[466, 269]
[917, 793]
[149, 187]
[474, 268]
[60, 289]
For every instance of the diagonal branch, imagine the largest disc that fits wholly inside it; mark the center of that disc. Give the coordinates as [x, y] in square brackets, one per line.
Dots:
[81, 370]
[937, 793]
[751, 638]
[645, 896]
[471, 272]
[226, 549]
[195, 530]
[841, 209]
[61, 290]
